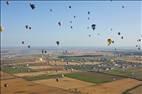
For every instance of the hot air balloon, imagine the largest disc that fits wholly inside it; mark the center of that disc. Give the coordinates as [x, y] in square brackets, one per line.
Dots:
[42, 51]
[69, 6]
[119, 33]
[29, 46]
[45, 51]
[121, 37]
[71, 27]
[1, 29]
[32, 6]
[139, 48]
[110, 29]
[26, 26]
[57, 42]
[23, 42]
[136, 45]
[7, 2]
[113, 41]
[123, 6]
[5, 85]
[30, 28]
[50, 10]
[59, 23]
[88, 18]
[109, 41]
[89, 35]
[93, 26]
[139, 40]
[88, 12]
[74, 16]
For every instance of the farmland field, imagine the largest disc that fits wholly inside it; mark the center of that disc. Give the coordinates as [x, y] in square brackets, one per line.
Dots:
[93, 77]
[133, 72]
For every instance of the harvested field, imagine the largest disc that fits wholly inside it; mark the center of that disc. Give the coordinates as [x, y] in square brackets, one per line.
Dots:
[115, 87]
[20, 86]
[5, 76]
[134, 90]
[40, 73]
[65, 83]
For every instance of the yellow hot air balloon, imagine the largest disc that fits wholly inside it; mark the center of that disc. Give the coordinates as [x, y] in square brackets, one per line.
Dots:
[1, 29]
[109, 41]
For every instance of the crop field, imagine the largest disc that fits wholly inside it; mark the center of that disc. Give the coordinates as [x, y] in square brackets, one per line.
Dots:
[114, 87]
[21, 86]
[93, 77]
[132, 73]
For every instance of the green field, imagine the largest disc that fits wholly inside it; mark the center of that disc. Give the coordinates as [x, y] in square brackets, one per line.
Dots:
[16, 69]
[93, 77]
[132, 73]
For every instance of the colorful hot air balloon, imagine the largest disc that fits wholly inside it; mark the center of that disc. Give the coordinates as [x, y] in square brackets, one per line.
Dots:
[109, 41]
[1, 29]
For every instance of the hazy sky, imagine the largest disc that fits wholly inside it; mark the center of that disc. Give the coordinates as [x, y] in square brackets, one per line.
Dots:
[45, 30]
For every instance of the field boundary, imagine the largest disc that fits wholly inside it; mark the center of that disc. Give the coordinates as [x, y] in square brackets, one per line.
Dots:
[127, 91]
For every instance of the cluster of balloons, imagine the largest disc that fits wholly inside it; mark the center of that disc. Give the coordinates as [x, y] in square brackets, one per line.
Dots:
[43, 51]
[138, 46]
[110, 41]
[28, 27]
[93, 26]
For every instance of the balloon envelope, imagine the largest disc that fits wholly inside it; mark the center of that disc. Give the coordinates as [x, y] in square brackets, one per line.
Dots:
[93, 26]
[57, 42]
